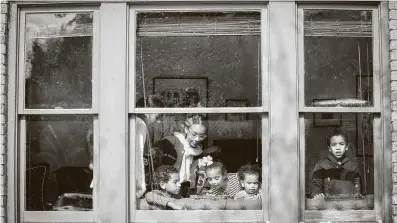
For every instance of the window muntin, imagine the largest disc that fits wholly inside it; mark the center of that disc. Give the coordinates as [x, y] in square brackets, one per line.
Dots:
[215, 58]
[57, 76]
[338, 58]
[359, 27]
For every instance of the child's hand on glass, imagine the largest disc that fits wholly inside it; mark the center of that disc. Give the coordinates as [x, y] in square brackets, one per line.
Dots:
[318, 196]
[205, 161]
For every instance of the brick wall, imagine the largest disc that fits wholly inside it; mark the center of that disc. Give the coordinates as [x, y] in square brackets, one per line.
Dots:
[393, 70]
[3, 89]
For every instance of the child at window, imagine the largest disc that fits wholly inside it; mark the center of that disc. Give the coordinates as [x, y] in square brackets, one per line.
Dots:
[180, 150]
[167, 178]
[216, 176]
[337, 171]
[249, 176]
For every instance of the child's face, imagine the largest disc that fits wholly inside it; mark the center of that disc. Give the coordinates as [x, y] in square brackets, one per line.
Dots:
[173, 185]
[337, 146]
[195, 134]
[215, 177]
[250, 183]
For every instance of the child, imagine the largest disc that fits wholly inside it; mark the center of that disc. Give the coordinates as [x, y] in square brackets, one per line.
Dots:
[338, 171]
[249, 176]
[167, 178]
[216, 176]
[180, 149]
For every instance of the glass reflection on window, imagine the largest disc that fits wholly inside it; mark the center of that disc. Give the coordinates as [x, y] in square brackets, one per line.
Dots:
[58, 60]
[339, 161]
[338, 58]
[58, 163]
[188, 162]
[199, 59]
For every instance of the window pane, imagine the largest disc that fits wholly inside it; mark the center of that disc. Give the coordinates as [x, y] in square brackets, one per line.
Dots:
[58, 60]
[199, 58]
[339, 161]
[58, 158]
[194, 160]
[338, 58]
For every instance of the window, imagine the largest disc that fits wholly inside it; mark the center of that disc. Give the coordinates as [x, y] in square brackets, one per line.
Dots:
[198, 85]
[57, 111]
[340, 120]
[120, 111]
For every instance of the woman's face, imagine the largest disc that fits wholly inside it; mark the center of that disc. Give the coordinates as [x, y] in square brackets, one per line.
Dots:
[195, 134]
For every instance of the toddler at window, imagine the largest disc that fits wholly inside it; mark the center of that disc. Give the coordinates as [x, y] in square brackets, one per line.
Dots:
[216, 176]
[336, 173]
[167, 178]
[249, 177]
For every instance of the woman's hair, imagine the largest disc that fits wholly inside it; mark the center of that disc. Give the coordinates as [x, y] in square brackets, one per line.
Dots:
[217, 165]
[163, 173]
[195, 119]
[248, 169]
[337, 132]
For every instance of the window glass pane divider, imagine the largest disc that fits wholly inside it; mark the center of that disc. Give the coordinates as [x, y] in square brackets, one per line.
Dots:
[200, 216]
[201, 110]
[264, 58]
[336, 215]
[12, 126]
[58, 216]
[265, 165]
[57, 112]
[340, 109]
[22, 160]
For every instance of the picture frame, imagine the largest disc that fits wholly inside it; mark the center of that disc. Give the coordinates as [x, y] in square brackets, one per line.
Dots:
[236, 103]
[326, 119]
[174, 91]
[365, 88]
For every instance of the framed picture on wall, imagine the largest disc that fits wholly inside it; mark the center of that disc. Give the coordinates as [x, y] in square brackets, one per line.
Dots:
[236, 103]
[182, 91]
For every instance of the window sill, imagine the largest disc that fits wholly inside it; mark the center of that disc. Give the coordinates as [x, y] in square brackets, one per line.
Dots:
[335, 215]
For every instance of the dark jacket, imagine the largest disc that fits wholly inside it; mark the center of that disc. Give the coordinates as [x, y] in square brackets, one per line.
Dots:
[341, 176]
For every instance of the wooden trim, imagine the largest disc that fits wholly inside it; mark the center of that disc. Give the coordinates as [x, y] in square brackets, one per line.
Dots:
[378, 167]
[265, 129]
[302, 166]
[113, 110]
[356, 215]
[12, 154]
[386, 111]
[95, 60]
[21, 148]
[201, 110]
[301, 57]
[265, 88]
[131, 169]
[96, 172]
[340, 109]
[376, 58]
[132, 59]
[199, 216]
[284, 187]
[21, 62]
[57, 112]
[340, 5]
[58, 216]
[200, 7]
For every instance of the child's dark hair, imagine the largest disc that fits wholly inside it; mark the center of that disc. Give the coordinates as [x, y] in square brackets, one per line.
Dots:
[217, 165]
[163, 173]
[248, 169]
[337, 132]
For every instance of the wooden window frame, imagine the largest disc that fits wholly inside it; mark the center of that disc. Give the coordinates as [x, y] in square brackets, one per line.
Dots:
[18, 113]
[380, 111]
[201, 215]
